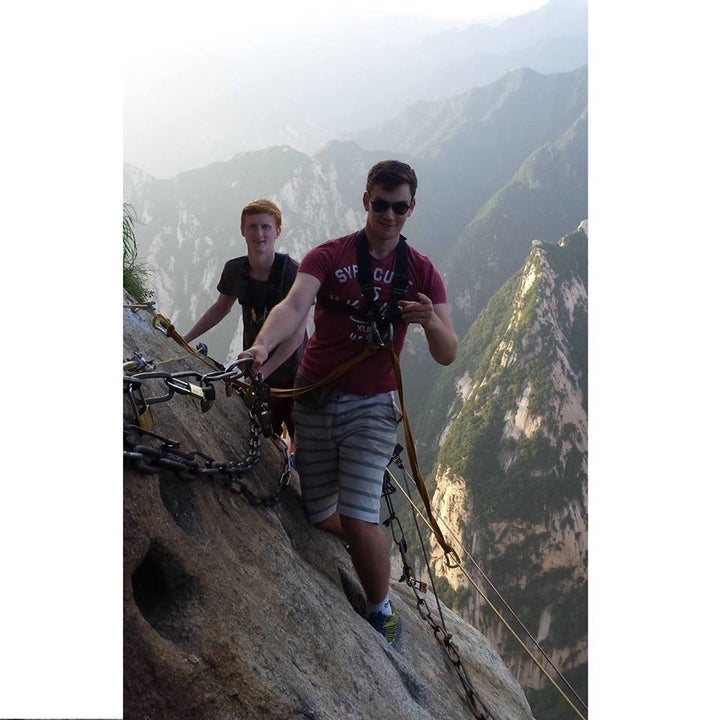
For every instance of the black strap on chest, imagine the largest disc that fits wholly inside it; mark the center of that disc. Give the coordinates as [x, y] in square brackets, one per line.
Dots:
[371, 310]
[273, 286]
[277, 274]
[400, 279]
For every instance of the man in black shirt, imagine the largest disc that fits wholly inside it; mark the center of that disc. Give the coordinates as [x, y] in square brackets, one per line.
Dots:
[258, 281]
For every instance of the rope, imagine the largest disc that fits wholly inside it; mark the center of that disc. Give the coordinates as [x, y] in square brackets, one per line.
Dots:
[515, 616]
[337, 372]
[501, 618]
[412, 456]
[480, 711]
[160, 322]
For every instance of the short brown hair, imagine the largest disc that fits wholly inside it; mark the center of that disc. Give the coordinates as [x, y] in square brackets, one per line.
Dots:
[388, 174]
[262, 205]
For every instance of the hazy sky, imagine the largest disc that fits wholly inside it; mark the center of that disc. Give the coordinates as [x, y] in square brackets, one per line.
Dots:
[167, 25]
[177, 57]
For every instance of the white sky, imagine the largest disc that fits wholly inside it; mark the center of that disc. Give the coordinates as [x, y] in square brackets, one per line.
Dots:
[187, 24]
[229, 18]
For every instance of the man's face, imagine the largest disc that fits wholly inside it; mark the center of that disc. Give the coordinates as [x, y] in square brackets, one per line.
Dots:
[260, 230]
[385, 223]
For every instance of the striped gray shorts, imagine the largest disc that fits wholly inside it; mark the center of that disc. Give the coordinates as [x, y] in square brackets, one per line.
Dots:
[341, 451]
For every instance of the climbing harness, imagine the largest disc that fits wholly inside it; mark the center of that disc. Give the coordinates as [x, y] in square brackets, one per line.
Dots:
[383, 317]
[279, 279]
[381, 338]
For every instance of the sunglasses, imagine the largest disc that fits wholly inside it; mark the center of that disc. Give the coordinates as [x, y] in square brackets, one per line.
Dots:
[380, 206]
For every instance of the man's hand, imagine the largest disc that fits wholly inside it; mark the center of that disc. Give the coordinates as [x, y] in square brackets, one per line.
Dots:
[258, 353]
[435, 321]
[421, 312]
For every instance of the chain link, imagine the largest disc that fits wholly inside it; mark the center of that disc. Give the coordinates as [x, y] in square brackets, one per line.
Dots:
[149, 451]
[408, 576]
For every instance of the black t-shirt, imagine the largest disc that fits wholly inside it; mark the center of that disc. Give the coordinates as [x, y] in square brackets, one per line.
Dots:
[257, 298]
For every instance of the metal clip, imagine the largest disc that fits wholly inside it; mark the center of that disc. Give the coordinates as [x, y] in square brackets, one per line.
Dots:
[185, 388]
[137, 362]
[265, 419]
[376, 338]
[249, 395]
[145, 419]
[162, 324]
[208, 397]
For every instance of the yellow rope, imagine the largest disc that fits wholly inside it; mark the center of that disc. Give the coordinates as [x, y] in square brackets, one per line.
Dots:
[412, 456]
[169, 329]
[296, 391]
[173, 360]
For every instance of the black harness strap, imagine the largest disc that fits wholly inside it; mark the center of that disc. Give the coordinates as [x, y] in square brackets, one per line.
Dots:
[400, 281]
[274, 283]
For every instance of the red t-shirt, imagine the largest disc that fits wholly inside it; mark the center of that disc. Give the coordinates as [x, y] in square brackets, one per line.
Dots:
[339, 336]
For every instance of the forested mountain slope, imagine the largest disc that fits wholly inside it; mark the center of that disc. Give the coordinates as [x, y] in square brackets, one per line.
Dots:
[545, 198]
[511, 474]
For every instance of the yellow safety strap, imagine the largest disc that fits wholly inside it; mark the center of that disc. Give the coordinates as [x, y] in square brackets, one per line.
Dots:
[161, 323]
[412, 456]
[337, 372]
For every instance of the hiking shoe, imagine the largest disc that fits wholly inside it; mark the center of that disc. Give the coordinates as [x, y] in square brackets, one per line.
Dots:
[389, 626]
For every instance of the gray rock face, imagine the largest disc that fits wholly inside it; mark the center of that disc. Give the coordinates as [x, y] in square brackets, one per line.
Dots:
[233, 611]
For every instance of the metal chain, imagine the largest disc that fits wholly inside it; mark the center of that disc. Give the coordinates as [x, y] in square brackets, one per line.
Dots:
[165, 454]
[150, 451]
[495, 609]
[408, 576]
[255, 392]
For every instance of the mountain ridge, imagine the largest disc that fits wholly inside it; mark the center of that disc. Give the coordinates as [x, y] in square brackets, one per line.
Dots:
[511, 471]
[219, 107]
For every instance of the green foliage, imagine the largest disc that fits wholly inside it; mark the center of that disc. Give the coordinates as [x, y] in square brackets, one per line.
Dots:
[570, 616]
[135, 273]
[548, 704]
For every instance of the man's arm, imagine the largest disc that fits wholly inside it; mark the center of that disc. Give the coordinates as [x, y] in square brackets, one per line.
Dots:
[211, 317]
[284, 350]
[435, 320]
[284, 320]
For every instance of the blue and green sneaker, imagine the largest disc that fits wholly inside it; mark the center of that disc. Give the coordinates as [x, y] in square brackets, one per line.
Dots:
[389, 626]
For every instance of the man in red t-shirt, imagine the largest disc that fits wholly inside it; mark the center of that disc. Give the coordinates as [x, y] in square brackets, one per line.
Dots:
[345, 436]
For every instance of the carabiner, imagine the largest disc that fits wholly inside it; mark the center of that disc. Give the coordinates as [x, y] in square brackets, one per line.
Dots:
[376, 338]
